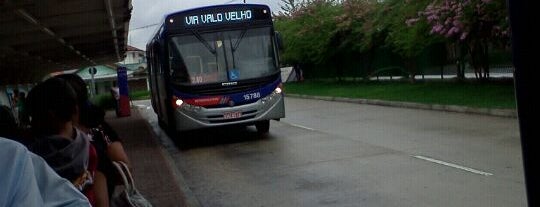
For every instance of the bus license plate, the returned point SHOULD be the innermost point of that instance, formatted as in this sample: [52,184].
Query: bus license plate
[232,115]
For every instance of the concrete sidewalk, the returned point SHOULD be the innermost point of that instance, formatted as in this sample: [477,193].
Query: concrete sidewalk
[152,173]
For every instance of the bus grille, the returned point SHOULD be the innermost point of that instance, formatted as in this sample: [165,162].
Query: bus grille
[228,89]
[218,89]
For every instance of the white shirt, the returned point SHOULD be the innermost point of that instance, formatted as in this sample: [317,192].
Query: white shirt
[27,180]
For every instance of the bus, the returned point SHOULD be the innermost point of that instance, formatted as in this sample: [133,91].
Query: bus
[216,66]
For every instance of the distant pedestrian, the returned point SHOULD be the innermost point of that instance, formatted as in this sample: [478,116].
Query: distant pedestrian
[115,93]
[14,100]
[21,110]
[298,72]
[15,97]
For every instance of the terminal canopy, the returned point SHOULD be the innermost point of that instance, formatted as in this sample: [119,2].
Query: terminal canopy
[38,37]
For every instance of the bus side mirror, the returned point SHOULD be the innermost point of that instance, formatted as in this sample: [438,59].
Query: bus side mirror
[279,41]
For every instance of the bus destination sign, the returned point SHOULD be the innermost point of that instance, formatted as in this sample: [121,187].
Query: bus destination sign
[216,18]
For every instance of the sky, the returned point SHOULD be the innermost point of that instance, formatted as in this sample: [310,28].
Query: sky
[147,12]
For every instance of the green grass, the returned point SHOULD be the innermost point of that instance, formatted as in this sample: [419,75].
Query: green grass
[105,101]
[140,95]
[498,94]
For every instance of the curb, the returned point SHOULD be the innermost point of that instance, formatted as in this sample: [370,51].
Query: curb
[508,113]
[167,149]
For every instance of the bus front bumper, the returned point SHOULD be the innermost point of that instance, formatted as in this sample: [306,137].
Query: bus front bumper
[267,108]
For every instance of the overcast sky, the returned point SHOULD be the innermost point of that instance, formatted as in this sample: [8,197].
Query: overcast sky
[147,12]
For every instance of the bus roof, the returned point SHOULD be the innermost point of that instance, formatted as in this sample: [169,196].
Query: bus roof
[179,23]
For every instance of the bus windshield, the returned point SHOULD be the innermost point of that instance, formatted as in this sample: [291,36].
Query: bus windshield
[223,56]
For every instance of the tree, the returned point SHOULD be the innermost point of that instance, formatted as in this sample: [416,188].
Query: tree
[406,37]
[471,25]
[288,7]
[349,35]
[307,33]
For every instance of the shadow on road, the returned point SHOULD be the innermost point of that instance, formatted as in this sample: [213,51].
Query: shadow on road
[216,136]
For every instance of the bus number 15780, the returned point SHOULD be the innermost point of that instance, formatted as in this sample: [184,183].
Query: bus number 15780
[250,96]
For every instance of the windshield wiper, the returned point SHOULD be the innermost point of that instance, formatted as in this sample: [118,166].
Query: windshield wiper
[205,43]
[236,44]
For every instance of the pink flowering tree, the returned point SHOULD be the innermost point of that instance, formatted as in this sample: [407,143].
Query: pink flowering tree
[471,26]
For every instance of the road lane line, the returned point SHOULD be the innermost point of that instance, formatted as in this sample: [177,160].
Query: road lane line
[453,165]
[300,126]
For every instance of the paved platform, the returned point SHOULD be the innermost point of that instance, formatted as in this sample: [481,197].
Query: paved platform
[152,173]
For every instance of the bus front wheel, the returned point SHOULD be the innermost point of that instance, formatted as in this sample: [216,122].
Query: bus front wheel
[263,126]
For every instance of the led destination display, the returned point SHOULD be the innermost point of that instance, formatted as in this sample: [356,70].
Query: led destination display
[220,16]
[232,16]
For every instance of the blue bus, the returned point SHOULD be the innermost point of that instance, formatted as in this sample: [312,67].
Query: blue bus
[216,66]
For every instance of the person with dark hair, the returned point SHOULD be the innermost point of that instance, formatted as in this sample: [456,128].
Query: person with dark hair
[92,121]
[8,125]
[52,106]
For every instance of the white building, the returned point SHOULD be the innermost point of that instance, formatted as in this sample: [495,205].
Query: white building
[134,56]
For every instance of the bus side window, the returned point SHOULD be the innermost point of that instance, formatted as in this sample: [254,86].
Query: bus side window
[156,57]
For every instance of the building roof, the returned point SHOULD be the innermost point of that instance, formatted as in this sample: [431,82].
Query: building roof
[131,48]
[134,66]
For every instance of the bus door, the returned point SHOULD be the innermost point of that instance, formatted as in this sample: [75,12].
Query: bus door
[152,78]
[160,85]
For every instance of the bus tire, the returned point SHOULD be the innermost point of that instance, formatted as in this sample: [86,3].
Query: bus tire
[162,124]
[263,126]
[171,129]
[168,128]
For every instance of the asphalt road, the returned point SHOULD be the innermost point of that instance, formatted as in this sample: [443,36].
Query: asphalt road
[341,154]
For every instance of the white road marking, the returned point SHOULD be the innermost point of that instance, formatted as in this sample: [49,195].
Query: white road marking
[453,165]
[300,126]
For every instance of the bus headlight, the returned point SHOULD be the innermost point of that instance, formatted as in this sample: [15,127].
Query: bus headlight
[179,102]
[176,102]
[277,90]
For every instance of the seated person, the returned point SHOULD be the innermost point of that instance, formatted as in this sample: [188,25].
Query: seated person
[9,128]
[92,121]
[52,106]
[27,180]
